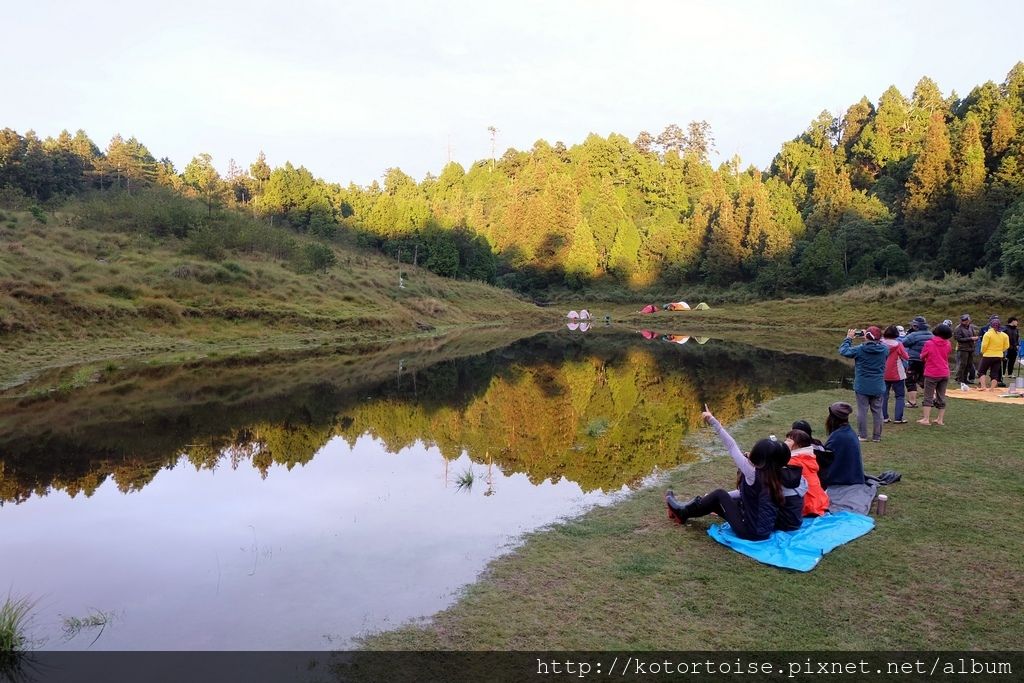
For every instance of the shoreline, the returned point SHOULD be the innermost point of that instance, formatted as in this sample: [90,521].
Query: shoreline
[623,576]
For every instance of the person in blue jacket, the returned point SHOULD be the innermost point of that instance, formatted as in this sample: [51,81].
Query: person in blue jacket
[914,342]
[868,378]
[846,467]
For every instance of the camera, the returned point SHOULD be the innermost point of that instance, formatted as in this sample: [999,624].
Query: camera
[858,333]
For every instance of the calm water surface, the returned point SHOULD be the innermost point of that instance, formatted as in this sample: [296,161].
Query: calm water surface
[297,504]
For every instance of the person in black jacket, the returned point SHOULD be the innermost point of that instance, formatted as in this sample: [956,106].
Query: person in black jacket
[1011,353]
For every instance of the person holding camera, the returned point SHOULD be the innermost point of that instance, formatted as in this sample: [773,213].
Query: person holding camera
[868,378]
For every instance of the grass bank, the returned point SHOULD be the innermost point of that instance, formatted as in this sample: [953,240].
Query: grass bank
[80,287]
[941,570]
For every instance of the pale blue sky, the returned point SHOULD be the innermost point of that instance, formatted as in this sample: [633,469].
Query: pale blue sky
[349,89]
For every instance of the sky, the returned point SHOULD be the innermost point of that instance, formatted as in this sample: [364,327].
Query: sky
[350,89]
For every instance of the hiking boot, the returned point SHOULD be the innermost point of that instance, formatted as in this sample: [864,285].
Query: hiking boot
[677,511]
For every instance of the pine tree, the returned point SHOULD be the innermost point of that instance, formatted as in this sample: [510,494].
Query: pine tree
[927,206]
[581,260]
[724,251]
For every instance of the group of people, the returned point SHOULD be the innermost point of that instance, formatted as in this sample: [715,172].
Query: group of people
[780,482]
[891,361]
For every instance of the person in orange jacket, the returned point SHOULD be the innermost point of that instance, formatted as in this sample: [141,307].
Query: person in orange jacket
[816,500]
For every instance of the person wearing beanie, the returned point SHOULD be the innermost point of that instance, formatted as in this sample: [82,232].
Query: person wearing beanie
[753,509]
[965,335]
[868,378]
[1013,334]
[914,342]
[935,356]
[847,467]
[994,344]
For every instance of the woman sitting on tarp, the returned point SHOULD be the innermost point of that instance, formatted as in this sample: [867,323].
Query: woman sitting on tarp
[804,456]
[847,466]
[753,512]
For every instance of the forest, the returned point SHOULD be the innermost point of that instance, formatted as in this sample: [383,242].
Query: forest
[905,186]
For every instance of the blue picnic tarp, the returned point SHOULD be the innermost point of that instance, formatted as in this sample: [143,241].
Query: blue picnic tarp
[801,549]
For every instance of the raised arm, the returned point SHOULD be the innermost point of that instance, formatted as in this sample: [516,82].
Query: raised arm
[742,463]
[846,348]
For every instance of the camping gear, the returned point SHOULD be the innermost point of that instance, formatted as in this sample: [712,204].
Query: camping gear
[677,306]
[801,549]
[702,306]
[572,315]
[883,501]
[852,497]
[584,314]
[649,308]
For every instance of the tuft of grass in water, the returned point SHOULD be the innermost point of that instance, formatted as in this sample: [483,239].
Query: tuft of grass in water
[465,480]
[627,570]
[96,619]
[15,616]
[597,427]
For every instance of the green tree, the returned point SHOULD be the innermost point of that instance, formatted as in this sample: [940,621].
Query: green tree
[202,177]
[927,207]
[581,261]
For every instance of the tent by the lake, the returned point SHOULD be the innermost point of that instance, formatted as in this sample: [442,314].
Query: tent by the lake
[677,306]
[702,306]
[649,308]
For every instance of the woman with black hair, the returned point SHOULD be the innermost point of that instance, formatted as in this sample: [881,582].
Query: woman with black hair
[847,466]
[753,509]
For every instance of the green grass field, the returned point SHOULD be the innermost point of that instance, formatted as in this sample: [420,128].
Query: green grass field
[940,571]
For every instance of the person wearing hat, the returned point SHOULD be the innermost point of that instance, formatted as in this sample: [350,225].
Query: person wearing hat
[753,509]
[847,467]
[964,335]
[868,378]
[994,344]
[914,342]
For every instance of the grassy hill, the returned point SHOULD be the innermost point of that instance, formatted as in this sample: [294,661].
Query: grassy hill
[110,277]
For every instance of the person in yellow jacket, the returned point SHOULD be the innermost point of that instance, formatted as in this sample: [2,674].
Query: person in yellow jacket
[993,345]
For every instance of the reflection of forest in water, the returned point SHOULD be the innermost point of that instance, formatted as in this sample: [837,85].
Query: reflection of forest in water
[602,410]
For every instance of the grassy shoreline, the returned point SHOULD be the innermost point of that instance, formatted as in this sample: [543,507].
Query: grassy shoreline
[625,577]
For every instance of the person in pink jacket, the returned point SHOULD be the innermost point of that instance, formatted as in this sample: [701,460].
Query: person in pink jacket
[895,374]
[935,356]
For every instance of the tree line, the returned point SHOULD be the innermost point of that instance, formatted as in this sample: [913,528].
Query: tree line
[909,185]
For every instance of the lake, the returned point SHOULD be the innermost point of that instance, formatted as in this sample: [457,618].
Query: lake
[297,502]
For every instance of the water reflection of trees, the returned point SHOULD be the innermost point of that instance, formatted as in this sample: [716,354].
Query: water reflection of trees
[602,411]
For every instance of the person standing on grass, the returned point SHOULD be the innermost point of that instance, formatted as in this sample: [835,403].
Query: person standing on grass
[847,467]
[994,344]
[753,509]
[965,335]
[935,355]
[868,378]
[1013,334]
[895,374]
[914,342]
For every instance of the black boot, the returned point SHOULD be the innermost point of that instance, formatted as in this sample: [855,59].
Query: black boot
[679,512]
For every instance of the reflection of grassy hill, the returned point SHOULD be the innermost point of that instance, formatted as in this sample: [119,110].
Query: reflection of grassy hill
[107,279]
[602,411]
